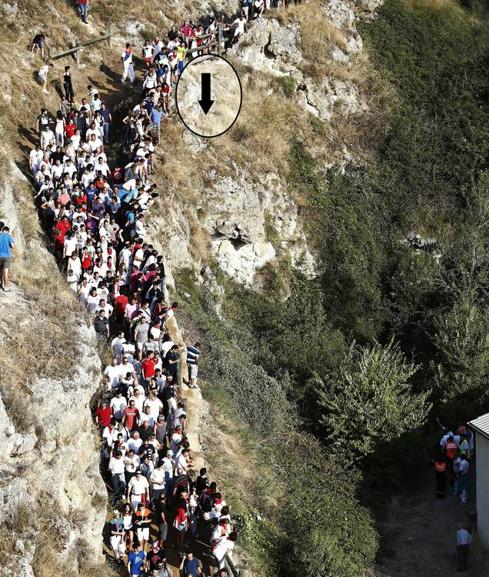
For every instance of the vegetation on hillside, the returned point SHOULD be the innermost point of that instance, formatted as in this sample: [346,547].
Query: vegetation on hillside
[392,335]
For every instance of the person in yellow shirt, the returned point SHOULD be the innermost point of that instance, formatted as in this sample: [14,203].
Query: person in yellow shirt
[181,54]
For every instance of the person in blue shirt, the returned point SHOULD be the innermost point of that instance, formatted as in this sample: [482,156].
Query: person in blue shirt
[6,248]
[136,560]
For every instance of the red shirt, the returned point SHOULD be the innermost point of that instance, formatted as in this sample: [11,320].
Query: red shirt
[181,516]
[148,368]
[120,304]
[130,414]
[104,416]
[70,130]
[86,262]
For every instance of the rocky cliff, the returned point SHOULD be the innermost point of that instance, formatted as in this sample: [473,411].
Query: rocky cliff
[225,204]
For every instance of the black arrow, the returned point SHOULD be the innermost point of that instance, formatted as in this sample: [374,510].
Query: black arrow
[205,96]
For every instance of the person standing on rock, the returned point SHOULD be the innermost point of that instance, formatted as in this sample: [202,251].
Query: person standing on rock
[193,355]
[6,248]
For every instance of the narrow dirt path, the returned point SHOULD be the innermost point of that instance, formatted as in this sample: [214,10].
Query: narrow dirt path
[418,533]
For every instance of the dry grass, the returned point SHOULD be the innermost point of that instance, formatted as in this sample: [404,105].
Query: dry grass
[318,37]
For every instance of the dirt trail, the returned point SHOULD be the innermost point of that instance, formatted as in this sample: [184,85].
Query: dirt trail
[418,534]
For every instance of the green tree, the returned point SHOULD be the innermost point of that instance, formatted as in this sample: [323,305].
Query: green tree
[369,400]
[461,366]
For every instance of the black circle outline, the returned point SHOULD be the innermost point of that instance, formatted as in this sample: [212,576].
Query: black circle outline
[240,97]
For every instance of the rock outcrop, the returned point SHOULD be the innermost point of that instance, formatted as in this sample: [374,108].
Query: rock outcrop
[51,490]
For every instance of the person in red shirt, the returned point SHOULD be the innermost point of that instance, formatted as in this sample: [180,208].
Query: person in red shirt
[148,367]
[103,415]
[120,303]
[60,230]
[181,525]
[86,260]
[131,416]
[70,129]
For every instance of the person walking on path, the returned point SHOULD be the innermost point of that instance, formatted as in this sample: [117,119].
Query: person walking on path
[6,248]
[464,540]
[127,61]
[42,76]
[441,476]
[83,8]
[68,85]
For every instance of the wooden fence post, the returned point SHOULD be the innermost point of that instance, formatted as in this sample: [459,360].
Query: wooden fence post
[78,55]
[219,39]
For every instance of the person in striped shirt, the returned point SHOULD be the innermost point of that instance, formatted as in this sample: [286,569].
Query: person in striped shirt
[193,354]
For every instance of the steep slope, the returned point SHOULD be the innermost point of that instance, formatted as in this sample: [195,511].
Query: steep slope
[234,190]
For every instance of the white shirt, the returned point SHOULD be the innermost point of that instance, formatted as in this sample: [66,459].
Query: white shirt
[116,466]
[138,486]
[155,406]
[158,476]
[134,444]
[118,404]
[113,374]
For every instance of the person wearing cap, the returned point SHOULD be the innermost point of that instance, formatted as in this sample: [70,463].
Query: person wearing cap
[138,489]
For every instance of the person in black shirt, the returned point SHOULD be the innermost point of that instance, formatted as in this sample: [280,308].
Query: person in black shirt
[202,482]
[161,517]
[171,362]
[67,84]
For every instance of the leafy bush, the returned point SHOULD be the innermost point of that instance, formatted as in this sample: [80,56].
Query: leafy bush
[369,400]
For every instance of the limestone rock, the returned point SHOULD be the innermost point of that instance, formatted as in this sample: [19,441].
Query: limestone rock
[340,13]
[242,263]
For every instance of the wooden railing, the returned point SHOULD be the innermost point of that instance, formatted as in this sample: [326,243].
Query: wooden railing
[77,50]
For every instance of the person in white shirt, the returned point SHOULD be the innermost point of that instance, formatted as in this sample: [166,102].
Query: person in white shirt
[168,467]
[35,159]
[119,429]
[116,468]
[136,488]
[127,62]
[73,272]
[154,404]
[113,372]
[225,546]
[118,404]
[157,481]
[42,76]
[131,463]
[135,441]
[138,397]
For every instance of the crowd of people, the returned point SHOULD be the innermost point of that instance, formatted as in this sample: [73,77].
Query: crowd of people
[96,216]
[452,464]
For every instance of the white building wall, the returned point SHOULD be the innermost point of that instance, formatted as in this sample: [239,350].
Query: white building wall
[482,476]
